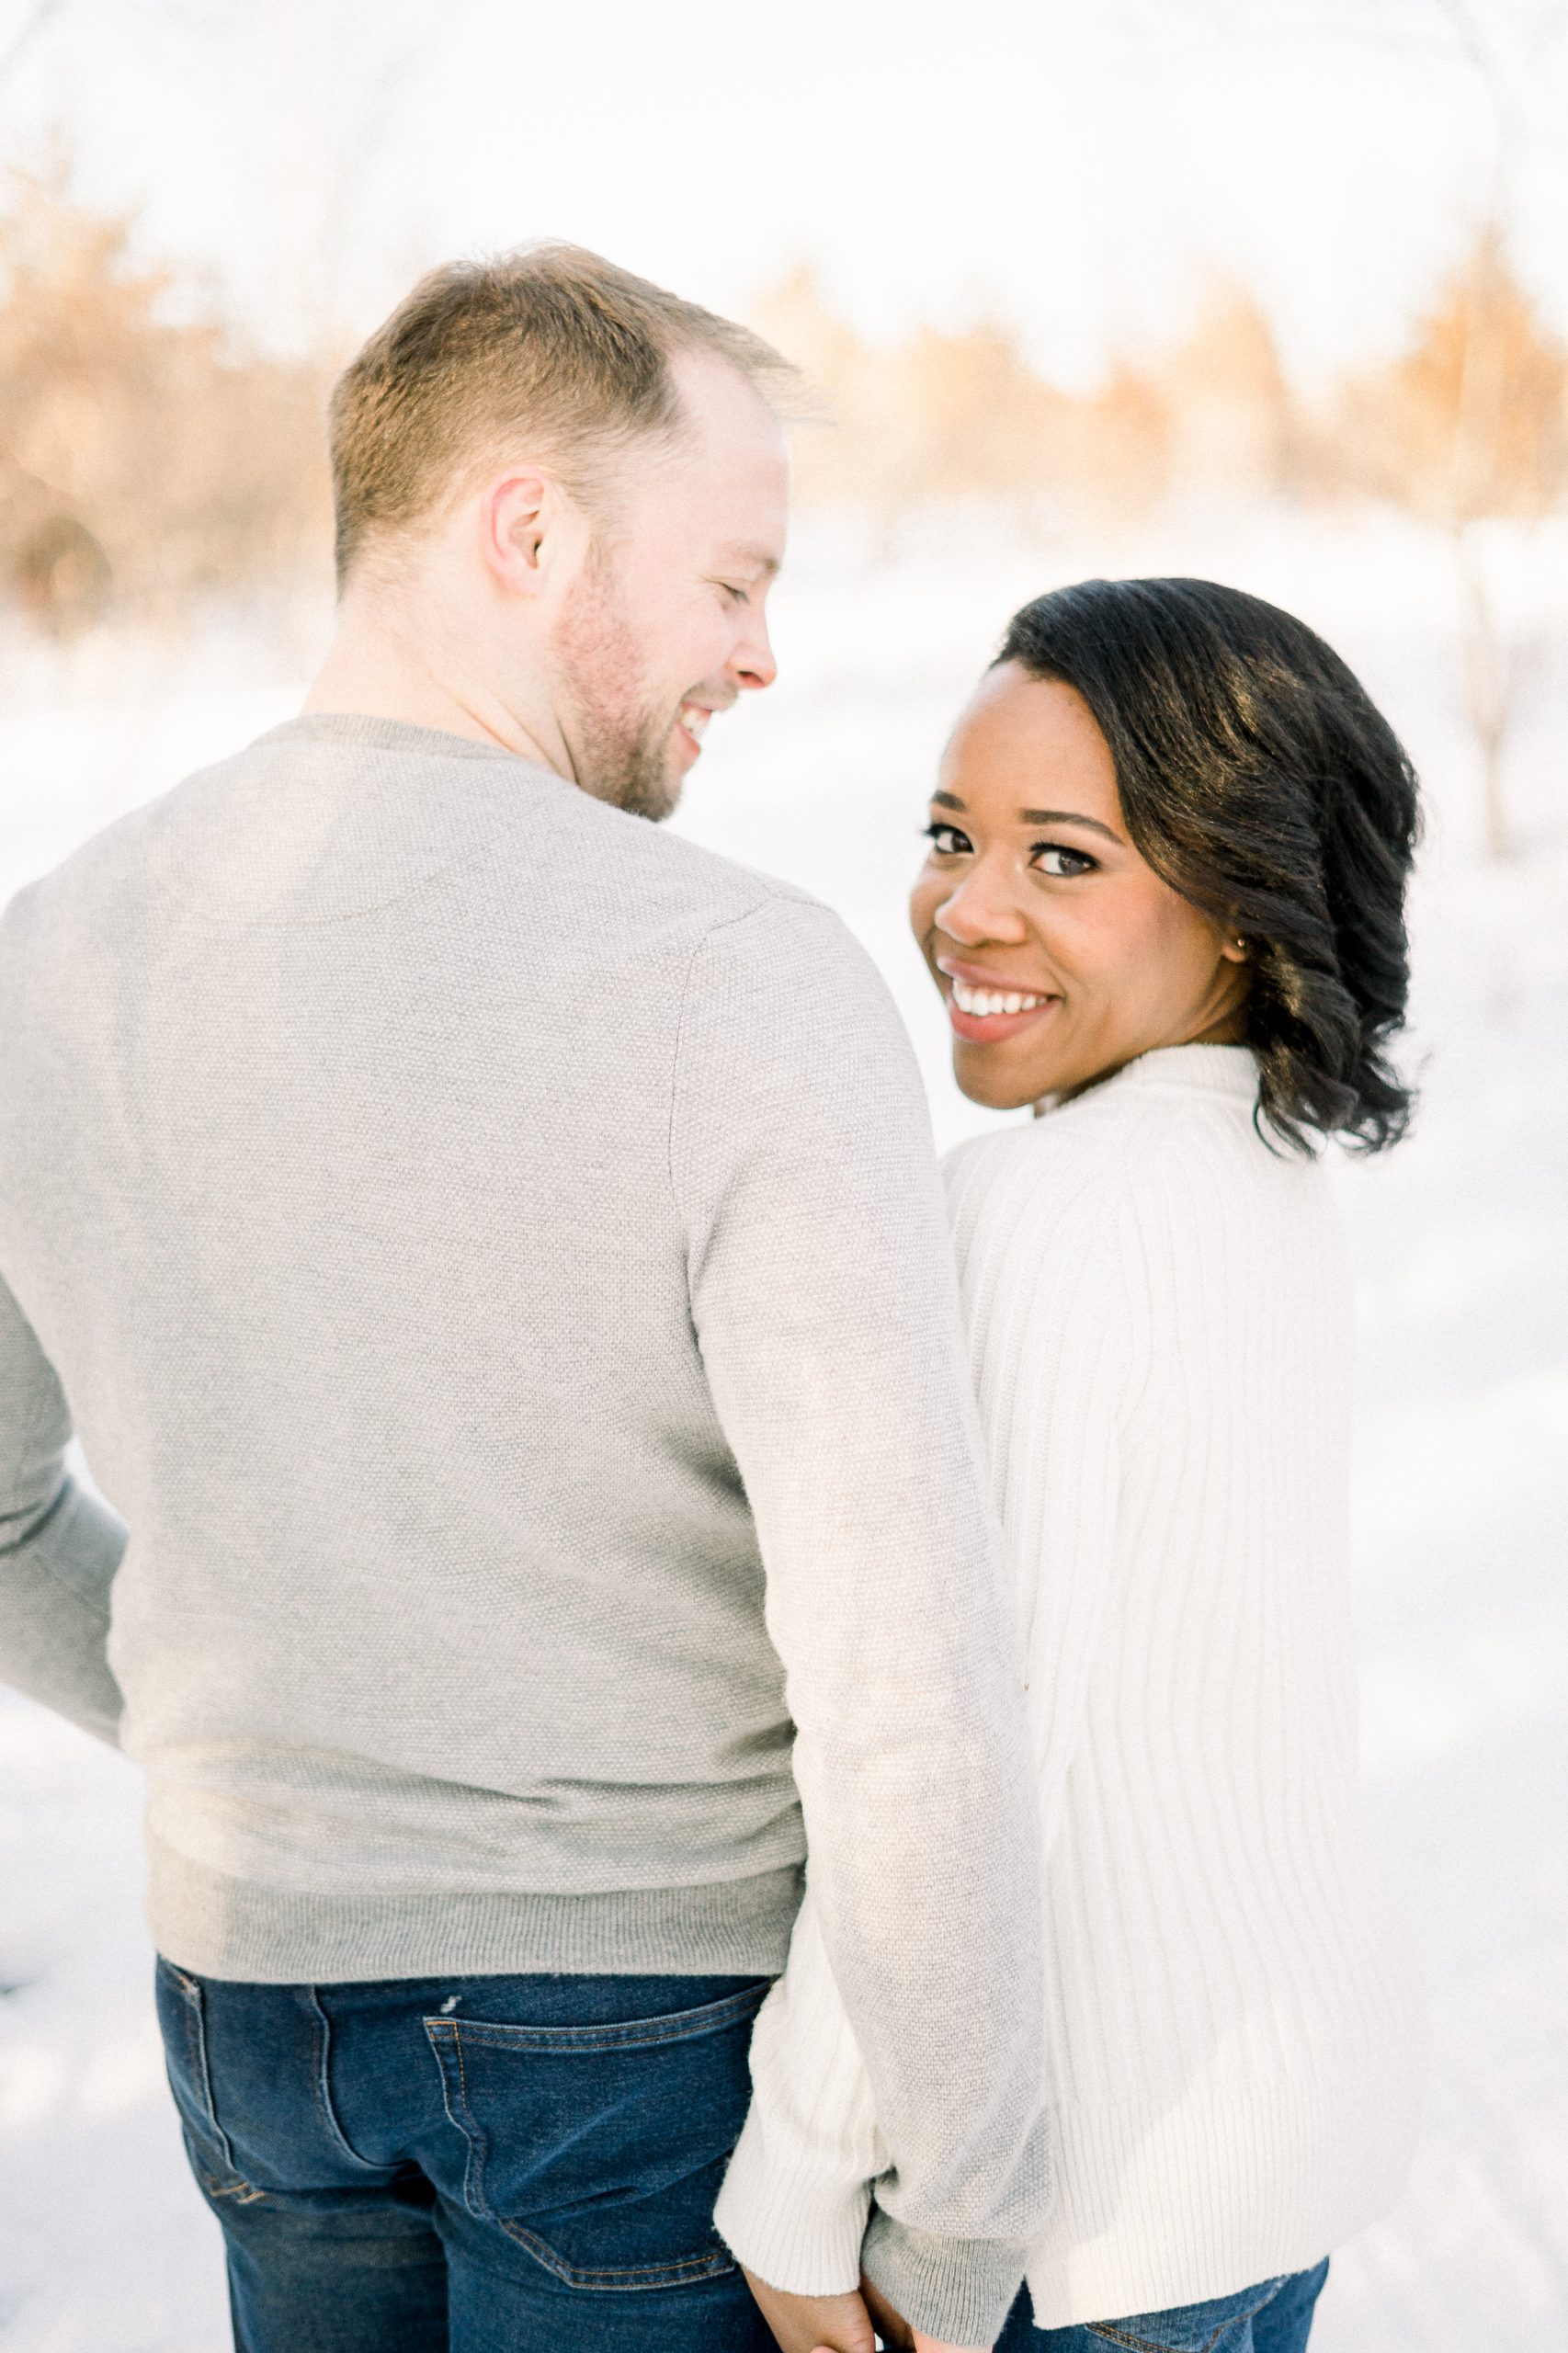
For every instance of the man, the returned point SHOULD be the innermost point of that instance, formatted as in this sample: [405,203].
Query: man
[490,1252]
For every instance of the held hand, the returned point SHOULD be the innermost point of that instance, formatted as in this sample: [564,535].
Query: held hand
[894,2330]
[813,2323]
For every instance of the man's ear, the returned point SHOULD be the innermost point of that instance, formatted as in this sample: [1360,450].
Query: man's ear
[519,513]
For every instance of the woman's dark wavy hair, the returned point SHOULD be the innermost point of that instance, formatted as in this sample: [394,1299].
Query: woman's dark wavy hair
[1259,780]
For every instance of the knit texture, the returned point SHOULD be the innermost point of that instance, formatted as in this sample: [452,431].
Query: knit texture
[1159,1317]
[491,1254]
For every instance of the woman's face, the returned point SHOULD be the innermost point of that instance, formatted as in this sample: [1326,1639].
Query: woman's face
[1060,953]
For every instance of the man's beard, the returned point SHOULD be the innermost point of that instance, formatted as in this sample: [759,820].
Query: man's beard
[620,750]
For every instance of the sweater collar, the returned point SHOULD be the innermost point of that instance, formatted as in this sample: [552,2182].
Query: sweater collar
[1199,1070]
[372,733]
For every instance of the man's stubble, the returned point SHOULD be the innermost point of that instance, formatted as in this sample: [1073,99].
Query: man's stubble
[621,747]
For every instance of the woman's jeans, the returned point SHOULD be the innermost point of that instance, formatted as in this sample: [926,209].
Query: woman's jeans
[1274,2317]
[470,2164]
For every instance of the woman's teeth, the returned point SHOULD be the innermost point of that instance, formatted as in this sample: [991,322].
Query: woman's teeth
[984,1000]
[694,719]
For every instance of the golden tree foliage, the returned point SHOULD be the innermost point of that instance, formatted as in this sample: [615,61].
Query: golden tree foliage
[145,461]
[1234,421]
[141,462]
[1469,426]
[1119,448]
[964,415]
[938,416]
[1470,423]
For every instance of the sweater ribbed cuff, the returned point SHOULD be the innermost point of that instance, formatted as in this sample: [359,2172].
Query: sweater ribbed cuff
[959,2291]
[787,2225]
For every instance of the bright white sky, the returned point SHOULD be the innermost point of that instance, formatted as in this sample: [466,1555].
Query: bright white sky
[1074,168]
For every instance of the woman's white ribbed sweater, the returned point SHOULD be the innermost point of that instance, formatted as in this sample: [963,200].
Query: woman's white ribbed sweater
[1159,1315]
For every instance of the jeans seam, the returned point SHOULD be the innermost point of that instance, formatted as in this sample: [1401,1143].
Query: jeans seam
[196,2056]
[440,2031]
[474,2161]
[1114,2335]
[321,2086]
[635,2034]
[685,2272]
[215,2185]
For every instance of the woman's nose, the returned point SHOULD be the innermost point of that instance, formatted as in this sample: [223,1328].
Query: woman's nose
[978,911]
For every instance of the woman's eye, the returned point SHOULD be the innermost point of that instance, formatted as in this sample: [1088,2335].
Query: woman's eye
[736,596]
[1055,858]
[946,840]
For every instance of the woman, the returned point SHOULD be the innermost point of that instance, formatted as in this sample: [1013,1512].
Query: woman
[1163,905]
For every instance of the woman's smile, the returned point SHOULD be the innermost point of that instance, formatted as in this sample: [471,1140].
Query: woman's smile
[989,1007]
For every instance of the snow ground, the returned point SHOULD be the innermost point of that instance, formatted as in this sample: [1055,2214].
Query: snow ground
[1462,1246]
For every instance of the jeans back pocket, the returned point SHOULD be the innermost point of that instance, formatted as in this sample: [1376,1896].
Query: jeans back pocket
[600,2149]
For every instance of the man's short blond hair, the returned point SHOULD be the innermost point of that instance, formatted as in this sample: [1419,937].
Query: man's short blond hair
[550,352]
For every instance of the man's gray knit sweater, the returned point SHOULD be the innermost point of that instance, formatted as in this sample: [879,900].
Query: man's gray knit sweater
[491,1252]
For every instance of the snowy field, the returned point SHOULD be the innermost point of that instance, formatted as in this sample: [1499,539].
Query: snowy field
[1462,1246]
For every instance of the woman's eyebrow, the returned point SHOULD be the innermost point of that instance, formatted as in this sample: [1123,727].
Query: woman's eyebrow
[1036,816]
[1067,817]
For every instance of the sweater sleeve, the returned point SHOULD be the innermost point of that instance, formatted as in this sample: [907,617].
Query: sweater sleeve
[822,1291]
[58,1546]
[796,2196]
[1055,1352]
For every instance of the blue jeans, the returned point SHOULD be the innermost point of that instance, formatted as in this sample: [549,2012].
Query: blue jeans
[1274,2317]
[470,2164]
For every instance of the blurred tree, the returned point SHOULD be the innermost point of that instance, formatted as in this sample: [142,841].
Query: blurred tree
[1235,426]
[939,415]
[326,82]
[1468,428]
[1483,392]
[968,417]
[1122,443]
[838,457]
[961,415]
[141,460]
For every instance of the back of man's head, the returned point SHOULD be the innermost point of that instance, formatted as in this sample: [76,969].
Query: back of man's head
[551,348]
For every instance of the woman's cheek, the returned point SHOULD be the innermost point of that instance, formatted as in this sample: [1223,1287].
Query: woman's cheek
[1148,948]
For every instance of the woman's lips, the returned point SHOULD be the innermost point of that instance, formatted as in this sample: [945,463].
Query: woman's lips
[987,1008]
[995,1029]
